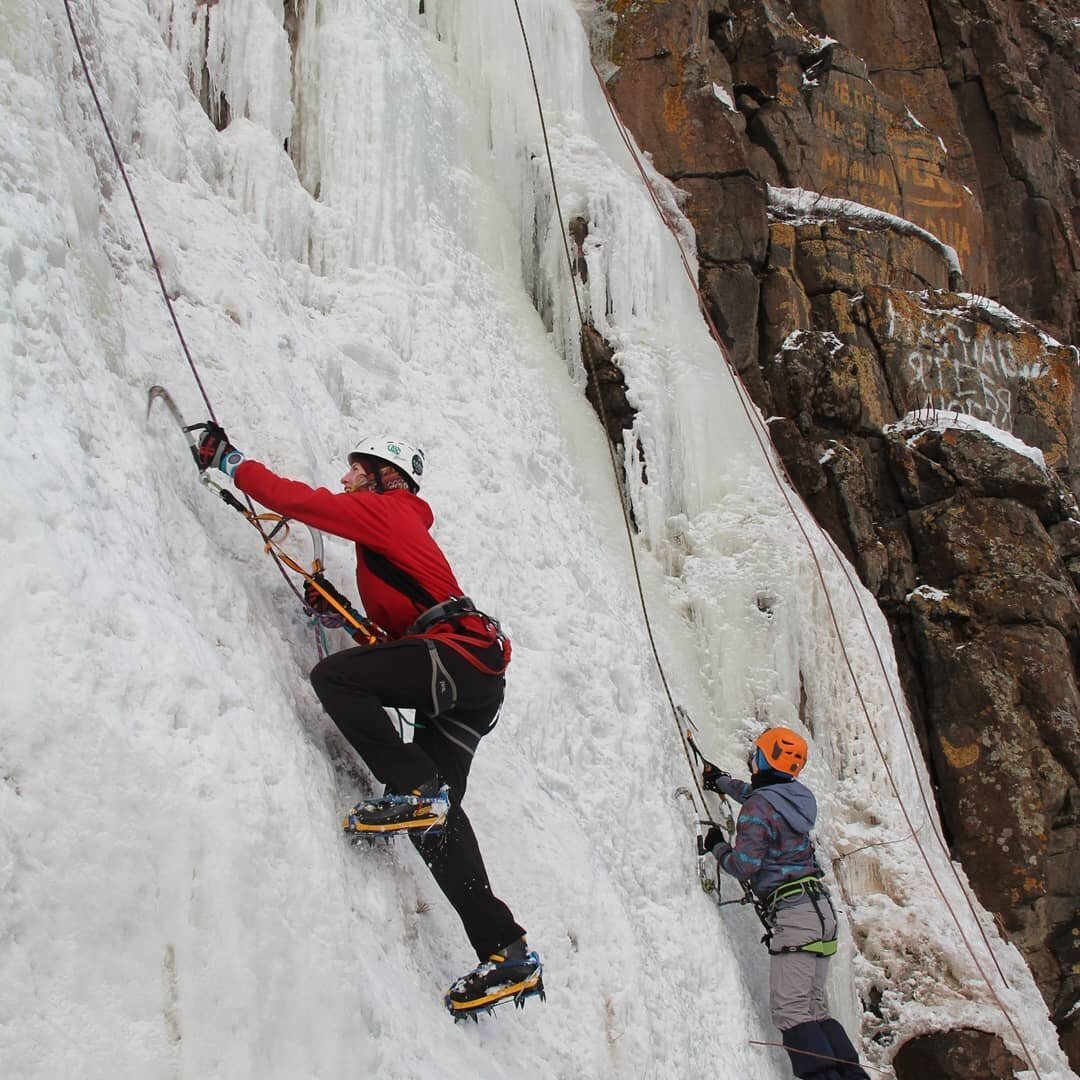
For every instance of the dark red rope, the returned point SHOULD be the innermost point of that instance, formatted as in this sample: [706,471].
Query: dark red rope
[154,260]
[135,207]
[822,1057]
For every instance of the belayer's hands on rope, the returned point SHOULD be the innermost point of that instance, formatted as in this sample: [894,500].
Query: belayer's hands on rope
[214,451]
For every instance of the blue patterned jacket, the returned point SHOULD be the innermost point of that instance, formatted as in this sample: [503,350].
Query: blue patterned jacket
[772,838]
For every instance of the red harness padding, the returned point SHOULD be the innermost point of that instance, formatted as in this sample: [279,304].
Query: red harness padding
[467,641]
[455,622]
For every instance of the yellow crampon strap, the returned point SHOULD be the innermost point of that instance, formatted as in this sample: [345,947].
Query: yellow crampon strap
[496,996]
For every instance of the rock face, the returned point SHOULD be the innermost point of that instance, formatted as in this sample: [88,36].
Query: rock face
[999,84]
[962,1055]
[960,117]
[969,545]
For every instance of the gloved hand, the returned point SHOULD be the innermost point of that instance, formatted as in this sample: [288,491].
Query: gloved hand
[214,451]
[715,836]
[318,603]
[710,774]
[366,633]
[314,600]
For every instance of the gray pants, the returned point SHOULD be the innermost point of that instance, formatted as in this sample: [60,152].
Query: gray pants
[797,979]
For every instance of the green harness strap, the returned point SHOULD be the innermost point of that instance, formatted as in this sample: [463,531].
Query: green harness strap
[810,884]
[822,948]
[812,887]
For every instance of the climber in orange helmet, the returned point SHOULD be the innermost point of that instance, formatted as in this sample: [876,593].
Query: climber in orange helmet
[773,853]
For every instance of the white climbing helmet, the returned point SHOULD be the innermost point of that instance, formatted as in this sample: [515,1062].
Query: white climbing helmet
[408,459]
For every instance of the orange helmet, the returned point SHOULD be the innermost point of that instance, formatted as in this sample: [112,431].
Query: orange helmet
[782,749]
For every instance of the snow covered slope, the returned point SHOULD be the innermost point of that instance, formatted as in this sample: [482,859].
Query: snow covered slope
[175,895]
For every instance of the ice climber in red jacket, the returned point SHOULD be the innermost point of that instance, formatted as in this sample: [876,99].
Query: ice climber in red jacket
[440,656]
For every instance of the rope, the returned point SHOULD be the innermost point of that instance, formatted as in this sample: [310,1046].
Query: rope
[551,167]
[930,817]
[590,367]
[157,267]
[823,1057]
[756,425]
[320,637]
[135,207]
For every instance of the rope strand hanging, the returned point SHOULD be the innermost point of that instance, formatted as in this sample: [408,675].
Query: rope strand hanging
[591,371]
[157,271]
[135,206]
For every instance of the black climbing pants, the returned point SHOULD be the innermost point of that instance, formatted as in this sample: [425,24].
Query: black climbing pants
[456,705]
[821,1050]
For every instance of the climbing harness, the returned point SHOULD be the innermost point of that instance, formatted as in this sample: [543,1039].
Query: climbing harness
[463,639]
[815,890]
[444,612]
[810,885]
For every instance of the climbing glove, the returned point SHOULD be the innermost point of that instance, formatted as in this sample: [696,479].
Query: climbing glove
[709,776]
[715,836]
[314,600]
[320,608]
[317,601]
[214,451]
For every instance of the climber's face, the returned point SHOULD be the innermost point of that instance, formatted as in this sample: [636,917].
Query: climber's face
[360,477]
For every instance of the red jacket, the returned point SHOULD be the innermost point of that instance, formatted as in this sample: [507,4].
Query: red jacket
[395,524]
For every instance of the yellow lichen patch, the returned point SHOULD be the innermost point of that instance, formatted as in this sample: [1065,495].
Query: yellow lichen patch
[675,112]
[959,757]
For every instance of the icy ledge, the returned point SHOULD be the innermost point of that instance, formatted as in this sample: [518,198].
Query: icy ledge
[815,207]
